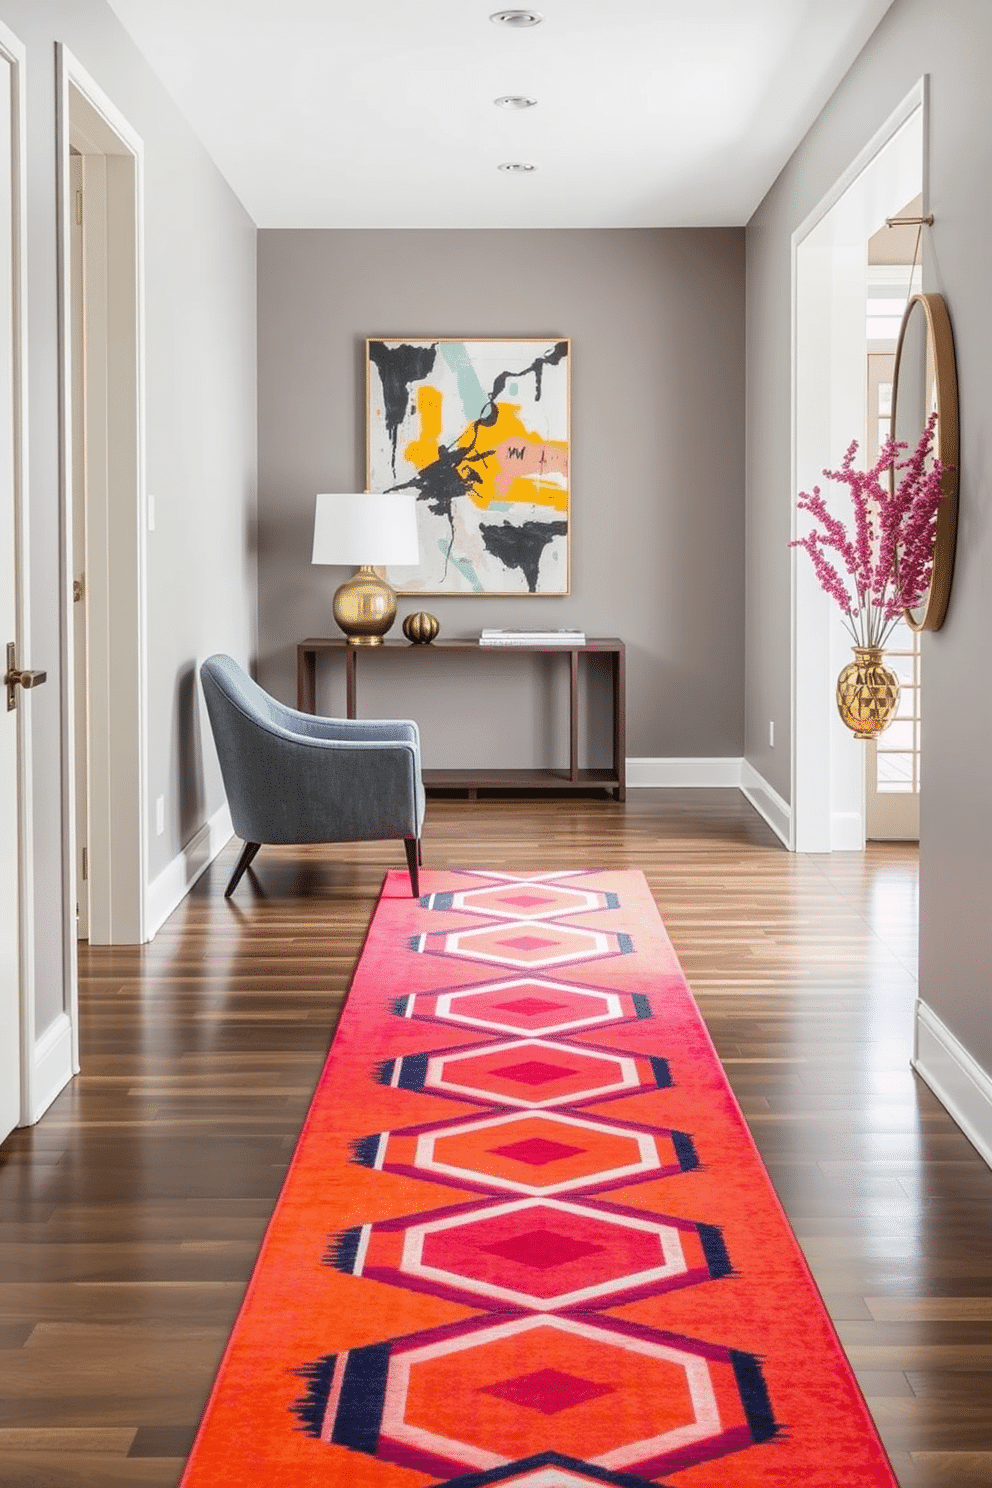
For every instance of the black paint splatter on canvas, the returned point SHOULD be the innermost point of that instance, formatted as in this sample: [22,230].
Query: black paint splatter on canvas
[522,546]
[398,367]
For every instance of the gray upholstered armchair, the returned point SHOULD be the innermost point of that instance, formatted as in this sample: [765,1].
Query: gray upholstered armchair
[291,777]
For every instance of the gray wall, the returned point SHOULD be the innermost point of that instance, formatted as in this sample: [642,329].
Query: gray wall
[656,320]
[951,42]
[200,401]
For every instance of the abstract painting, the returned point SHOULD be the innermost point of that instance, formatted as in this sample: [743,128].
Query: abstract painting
[479,429]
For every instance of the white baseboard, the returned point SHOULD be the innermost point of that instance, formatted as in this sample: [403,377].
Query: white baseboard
[955,1077]
[51,1068]
[673,773]
[767,802]
[717,771]
[172,885]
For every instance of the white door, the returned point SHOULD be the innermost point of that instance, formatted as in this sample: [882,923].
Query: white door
[10,905]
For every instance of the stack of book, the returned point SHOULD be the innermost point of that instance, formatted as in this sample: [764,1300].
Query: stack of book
[495,636]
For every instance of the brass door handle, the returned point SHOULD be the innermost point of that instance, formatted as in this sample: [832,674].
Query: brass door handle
[15,677]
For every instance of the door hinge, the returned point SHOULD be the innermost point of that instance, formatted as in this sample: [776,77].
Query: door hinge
[86,866]
[79,209]
[77,589]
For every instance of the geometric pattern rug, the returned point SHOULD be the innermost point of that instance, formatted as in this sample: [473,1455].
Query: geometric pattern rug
[526,1238]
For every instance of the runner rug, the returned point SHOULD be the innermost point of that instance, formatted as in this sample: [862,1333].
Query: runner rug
[526,1238]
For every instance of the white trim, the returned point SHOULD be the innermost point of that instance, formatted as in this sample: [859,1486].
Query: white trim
[130,877]
[172,885]
[15,52]
[824,788]
[955,1077]
[767,802]
[70,960]
[52,1067]
[715,771]
[847,831]
[916,98]
[720,771]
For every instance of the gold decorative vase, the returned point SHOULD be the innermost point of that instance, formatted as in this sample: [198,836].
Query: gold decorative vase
[867,693]
[420,628]
[365,607]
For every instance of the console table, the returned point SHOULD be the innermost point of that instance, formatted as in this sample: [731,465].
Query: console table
[432,656]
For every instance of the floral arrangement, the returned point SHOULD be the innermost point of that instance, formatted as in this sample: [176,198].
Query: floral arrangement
[889,556]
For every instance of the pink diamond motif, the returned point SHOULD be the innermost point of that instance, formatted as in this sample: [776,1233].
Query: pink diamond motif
[526,901]
[547,1390]
[536,1151]
[528,1007]
[527,942]
[534,1072]
[543,1249]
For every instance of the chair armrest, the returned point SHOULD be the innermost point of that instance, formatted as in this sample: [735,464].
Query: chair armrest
[358,731]
[316,726]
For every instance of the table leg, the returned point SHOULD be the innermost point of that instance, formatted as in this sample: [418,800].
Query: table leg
[306,680]
[620,723]
[351,673]
[573,715]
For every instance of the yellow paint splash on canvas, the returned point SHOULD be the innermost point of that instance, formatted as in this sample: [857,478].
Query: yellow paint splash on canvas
[520,466]
[423,450]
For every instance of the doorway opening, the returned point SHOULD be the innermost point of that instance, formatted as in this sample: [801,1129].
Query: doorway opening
[831,283]
[893,761]
[103,518]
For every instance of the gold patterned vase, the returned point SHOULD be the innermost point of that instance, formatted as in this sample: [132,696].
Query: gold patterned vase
[867,693]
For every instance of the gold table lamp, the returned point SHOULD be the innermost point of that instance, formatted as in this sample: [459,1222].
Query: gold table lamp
[366,528]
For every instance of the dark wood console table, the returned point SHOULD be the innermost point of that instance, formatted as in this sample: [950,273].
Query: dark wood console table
[612,779]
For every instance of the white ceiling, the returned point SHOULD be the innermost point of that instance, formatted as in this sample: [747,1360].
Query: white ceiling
[379,113]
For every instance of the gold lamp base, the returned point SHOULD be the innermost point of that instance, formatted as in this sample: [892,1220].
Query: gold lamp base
[365,607]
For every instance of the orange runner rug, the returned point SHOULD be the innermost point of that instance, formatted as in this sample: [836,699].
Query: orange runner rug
[526,1238]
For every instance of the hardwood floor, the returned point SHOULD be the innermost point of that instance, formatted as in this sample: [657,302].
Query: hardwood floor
[131,1215]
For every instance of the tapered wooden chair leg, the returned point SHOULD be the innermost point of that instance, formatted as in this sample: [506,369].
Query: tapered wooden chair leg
[412,845]
[248,852]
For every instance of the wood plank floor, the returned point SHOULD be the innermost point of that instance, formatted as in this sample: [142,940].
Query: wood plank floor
[131,1215]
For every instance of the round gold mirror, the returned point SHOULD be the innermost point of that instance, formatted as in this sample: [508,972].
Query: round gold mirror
[924,382]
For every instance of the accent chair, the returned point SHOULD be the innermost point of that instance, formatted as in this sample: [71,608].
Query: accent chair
[294,777]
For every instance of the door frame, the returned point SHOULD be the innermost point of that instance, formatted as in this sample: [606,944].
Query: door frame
[32,1051]
[827,768]
[116,529]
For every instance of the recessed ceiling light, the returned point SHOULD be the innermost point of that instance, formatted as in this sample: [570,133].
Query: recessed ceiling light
[514,101]
[516,167]
[516,18]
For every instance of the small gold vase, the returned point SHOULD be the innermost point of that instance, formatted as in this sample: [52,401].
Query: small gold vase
[421,627]
[867,693]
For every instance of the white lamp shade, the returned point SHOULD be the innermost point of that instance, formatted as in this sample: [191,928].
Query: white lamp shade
[360,527]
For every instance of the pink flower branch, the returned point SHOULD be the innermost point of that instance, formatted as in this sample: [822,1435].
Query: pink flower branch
[888,556]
